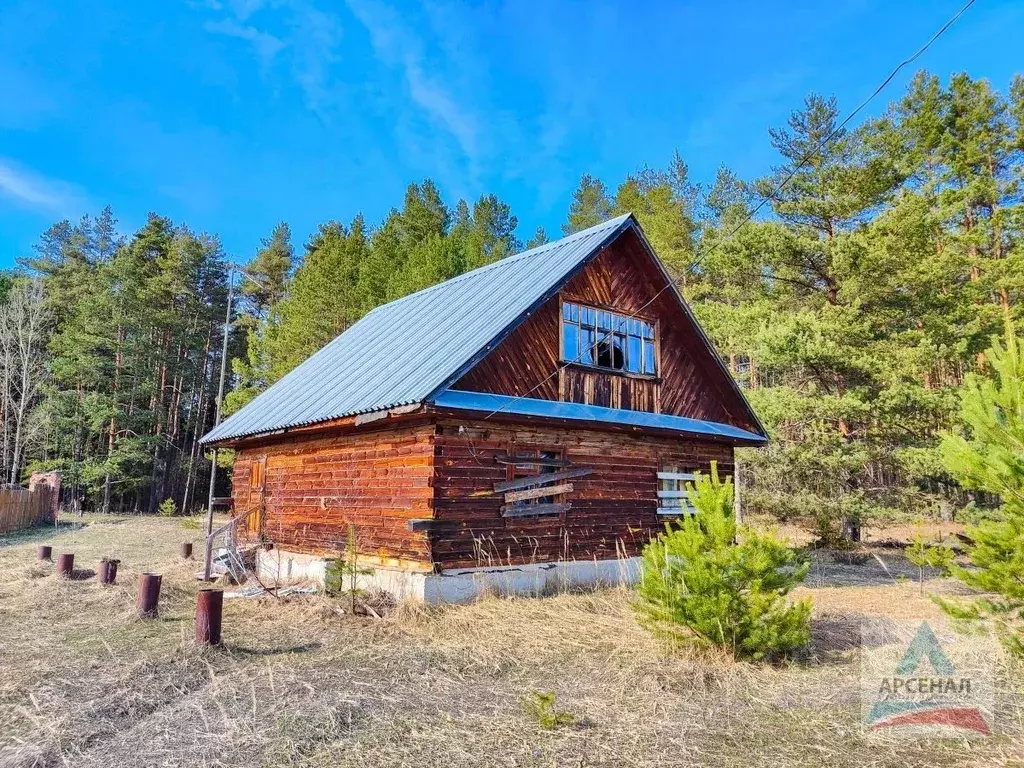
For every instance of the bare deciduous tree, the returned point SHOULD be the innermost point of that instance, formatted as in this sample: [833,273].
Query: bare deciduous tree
[22,367]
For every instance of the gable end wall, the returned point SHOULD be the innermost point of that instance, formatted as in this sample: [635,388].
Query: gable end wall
[622,278]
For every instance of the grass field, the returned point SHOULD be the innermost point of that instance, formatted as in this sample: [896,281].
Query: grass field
[83,682]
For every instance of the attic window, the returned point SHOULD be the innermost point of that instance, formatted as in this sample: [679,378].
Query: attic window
[607,339]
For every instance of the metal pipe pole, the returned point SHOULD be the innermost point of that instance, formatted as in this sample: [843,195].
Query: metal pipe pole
[220,399]
[66,565]
[149,595]
[209,612]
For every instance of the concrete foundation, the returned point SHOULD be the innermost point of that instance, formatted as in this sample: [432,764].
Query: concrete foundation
[458,585]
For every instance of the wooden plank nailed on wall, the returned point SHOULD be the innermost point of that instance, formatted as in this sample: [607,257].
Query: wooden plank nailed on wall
[677,476]
[549,477]
[537,493]
[532,461]
[688,510]
[525,510]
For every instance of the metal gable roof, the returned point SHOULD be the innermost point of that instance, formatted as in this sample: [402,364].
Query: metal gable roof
[403,352]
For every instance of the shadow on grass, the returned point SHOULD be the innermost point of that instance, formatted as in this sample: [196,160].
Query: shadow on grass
[257,652]
[835,636]
[38,534]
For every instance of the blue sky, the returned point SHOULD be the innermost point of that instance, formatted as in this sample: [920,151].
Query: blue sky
[231,115]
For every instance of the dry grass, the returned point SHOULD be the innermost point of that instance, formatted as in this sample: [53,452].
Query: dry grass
[85,683]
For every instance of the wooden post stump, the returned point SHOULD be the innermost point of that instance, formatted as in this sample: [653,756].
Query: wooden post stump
[45,552]
[186,550]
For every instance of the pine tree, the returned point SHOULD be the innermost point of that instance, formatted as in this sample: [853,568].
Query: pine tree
[540,237]
[663,202]
[709,582]
[590,205]
[323,300]
[424,213]
[990,458]
[489,234]
[272,267]
[433,261]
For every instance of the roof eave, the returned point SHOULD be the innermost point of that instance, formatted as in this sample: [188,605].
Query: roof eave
[597,425]
[354,420]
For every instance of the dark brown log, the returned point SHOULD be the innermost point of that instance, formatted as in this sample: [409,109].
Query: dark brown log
[209,609]
[528,510]
[149,595]
[186,550]
[503,458]
[45,552]
[65,565]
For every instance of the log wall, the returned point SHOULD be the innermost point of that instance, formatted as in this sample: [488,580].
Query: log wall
[579,384]
[316,485]
[613,511]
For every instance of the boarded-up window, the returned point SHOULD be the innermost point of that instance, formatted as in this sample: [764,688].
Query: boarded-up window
[531,470]
[541,496]
[673,498]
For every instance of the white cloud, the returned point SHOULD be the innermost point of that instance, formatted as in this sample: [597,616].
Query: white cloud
[316,35]
[437,102]
[266,45]
[36,192]
[243,9]
[432,83]
[311,37]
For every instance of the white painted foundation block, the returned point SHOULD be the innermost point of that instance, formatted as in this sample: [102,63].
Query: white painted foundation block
[459,585]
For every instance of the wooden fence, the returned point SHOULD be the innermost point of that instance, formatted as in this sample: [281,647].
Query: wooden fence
[20,508]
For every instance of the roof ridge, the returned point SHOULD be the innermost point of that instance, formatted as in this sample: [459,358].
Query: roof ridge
[385,360]
[516,257]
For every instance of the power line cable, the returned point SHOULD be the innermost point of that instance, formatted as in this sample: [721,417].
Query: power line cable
[764,201]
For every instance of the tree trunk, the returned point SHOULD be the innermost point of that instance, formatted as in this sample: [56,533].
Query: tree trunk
[112,430]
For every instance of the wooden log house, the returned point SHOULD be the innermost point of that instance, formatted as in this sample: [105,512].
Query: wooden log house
[532,420]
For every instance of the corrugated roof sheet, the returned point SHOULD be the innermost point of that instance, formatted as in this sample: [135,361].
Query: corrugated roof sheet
[401,353]
[526,406]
